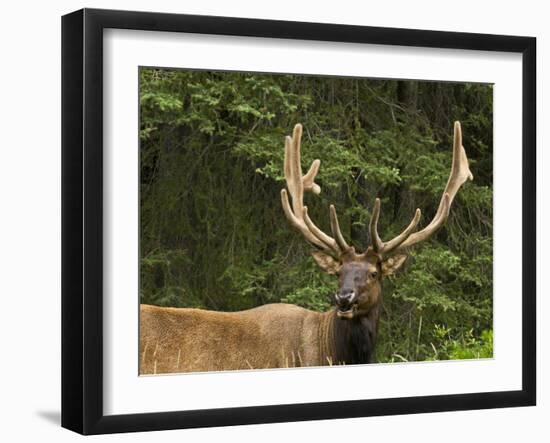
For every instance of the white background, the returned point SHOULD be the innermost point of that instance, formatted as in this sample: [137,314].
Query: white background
[30,223]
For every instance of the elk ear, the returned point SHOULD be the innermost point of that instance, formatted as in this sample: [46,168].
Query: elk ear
[392,264]
[326,262]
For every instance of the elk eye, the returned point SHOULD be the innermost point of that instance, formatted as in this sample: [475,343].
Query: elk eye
[374,274]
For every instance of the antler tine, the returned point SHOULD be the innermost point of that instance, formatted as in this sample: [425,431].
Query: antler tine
[460,172]
[377,243]
[385,248]
[297,184]
[297,222]
[335,228]
[397,241]
[326,239]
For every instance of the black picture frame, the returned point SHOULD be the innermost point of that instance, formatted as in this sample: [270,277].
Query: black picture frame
[82,220]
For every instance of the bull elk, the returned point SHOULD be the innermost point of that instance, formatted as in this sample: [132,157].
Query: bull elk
[284,335]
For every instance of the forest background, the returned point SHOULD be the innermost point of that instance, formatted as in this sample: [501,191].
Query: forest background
[212,231]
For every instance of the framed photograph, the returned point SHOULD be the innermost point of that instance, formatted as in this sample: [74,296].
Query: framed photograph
[269,221]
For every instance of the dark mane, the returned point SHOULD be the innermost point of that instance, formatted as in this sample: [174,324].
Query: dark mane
[354,340]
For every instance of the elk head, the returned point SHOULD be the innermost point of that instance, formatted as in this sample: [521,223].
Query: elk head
[360,274]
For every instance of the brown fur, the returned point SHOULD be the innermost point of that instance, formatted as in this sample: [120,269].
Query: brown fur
[270,336]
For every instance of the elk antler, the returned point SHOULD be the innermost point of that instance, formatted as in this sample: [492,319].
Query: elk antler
[297,184]
[460,172]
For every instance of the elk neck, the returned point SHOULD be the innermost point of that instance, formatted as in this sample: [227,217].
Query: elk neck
[349,341]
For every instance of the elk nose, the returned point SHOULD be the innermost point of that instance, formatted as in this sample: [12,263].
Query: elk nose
[345,297]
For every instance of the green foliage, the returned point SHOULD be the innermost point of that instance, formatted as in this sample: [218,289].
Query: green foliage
[213,234]
[464,346]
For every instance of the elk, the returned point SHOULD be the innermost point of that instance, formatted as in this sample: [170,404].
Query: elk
[284,335]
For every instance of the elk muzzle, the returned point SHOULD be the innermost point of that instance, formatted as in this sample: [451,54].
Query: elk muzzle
[346,302]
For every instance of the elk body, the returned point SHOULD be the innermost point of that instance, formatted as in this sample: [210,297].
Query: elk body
[283,335]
